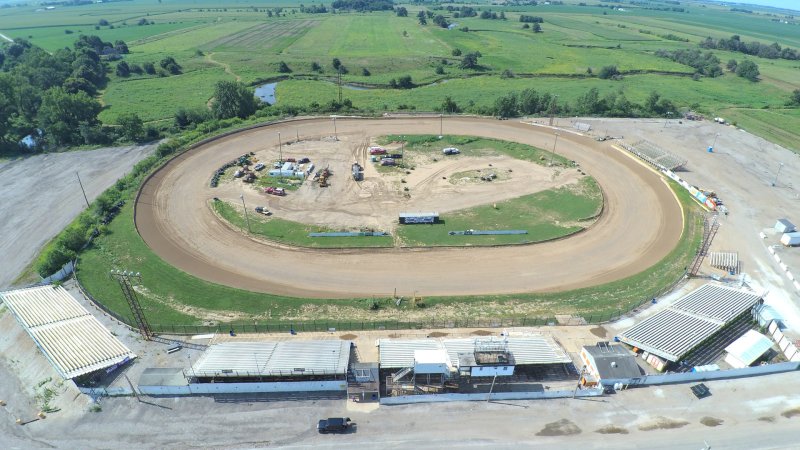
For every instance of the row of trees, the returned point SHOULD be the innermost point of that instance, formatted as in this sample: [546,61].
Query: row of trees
[613,104]
[168,67]
[363,5]
[704,63]
[735,44]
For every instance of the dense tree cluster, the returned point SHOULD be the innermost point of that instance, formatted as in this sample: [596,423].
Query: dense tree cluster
[607,72]
[470,60]
[464,11]
[491,15]
[614,104]
[233,99]
[530,19]
[363,5]
[704,63]
[401,12]
[53,92]
[313,9]
[748,69]
[735,44]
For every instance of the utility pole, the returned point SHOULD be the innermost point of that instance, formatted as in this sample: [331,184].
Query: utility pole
[715,141]
[441,125]
[84,192]
[553,154]
[124,280]
[280,159]
[246,217]
[335,134]
[780,166]
[489,397]
[339,82]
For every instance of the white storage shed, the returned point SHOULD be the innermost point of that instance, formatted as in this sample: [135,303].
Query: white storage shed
[784,226]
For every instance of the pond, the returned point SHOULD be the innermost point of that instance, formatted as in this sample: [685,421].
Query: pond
[266,92]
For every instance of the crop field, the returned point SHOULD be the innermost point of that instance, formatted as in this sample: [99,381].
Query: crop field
[270,36]
[247,44]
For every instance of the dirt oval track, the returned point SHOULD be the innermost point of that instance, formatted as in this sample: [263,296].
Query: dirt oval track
[641,224]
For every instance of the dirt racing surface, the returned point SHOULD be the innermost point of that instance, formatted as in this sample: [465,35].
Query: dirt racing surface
[641,223]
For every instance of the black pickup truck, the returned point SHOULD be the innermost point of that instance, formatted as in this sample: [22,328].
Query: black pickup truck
[333,425]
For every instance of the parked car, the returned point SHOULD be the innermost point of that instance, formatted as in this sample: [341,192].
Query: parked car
[275,190]
[263,210]
[377,151]
[303,161]
[259,166]
[292,160]
[333,425]
[451,151]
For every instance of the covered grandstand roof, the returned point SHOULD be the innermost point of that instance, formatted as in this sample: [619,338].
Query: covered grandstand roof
[675,331]
[399,353]
[73,340]
[270,358]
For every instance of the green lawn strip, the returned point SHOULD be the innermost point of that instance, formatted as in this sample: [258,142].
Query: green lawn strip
[546,215]
[294,233]
[168,289]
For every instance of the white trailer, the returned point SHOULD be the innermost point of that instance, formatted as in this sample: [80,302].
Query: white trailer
[790,239]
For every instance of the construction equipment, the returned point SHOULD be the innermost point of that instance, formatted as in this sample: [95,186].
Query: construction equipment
[323,177]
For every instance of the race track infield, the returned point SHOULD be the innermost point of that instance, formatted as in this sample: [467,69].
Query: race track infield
[641,223]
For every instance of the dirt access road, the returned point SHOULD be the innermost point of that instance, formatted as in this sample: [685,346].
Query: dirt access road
[40,195]
[641,223]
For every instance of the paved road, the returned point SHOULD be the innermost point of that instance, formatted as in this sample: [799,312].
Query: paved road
[40,195]
[641,224]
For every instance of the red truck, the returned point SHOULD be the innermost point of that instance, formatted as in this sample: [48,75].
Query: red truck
[377,151]
[275,191]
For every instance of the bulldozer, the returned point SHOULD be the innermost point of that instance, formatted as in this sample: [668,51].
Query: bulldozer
[323,177]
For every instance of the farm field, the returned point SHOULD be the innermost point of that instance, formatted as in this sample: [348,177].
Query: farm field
[246,44]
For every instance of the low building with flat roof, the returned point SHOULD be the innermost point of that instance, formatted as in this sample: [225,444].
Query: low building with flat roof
[604,361]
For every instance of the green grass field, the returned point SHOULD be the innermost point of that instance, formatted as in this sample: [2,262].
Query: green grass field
[293,233]
[546,215]
[242,42]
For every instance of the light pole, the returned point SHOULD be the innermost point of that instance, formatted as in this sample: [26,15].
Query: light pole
[715,142]
[246,217]
[669,114]
[552,155]
[335,134]
[780,166]
[82,190]
[441,125]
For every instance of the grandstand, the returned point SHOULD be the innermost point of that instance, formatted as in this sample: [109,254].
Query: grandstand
[656,155]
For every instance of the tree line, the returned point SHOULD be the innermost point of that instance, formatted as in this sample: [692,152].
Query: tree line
[735,44]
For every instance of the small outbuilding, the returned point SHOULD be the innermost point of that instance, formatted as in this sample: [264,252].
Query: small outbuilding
[607,362]
[784,226]
[791,239]
[748,349]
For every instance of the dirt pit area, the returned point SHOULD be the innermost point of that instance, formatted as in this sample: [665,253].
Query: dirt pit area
[425,183]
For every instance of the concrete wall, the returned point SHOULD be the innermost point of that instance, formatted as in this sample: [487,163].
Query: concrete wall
[245,388]
[690,377]
[432,398]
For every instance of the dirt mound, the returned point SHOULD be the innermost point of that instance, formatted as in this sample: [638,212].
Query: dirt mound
[481,333]
[663,423]
[611,429]
[437,334]
[711,421]
[561,427]
[348,337]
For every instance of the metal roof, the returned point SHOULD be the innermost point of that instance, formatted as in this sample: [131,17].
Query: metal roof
[717,302]
[281,358]
[675,331]
[419,214]
[399,353]
[613,361]
[72,339]
[749,347]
